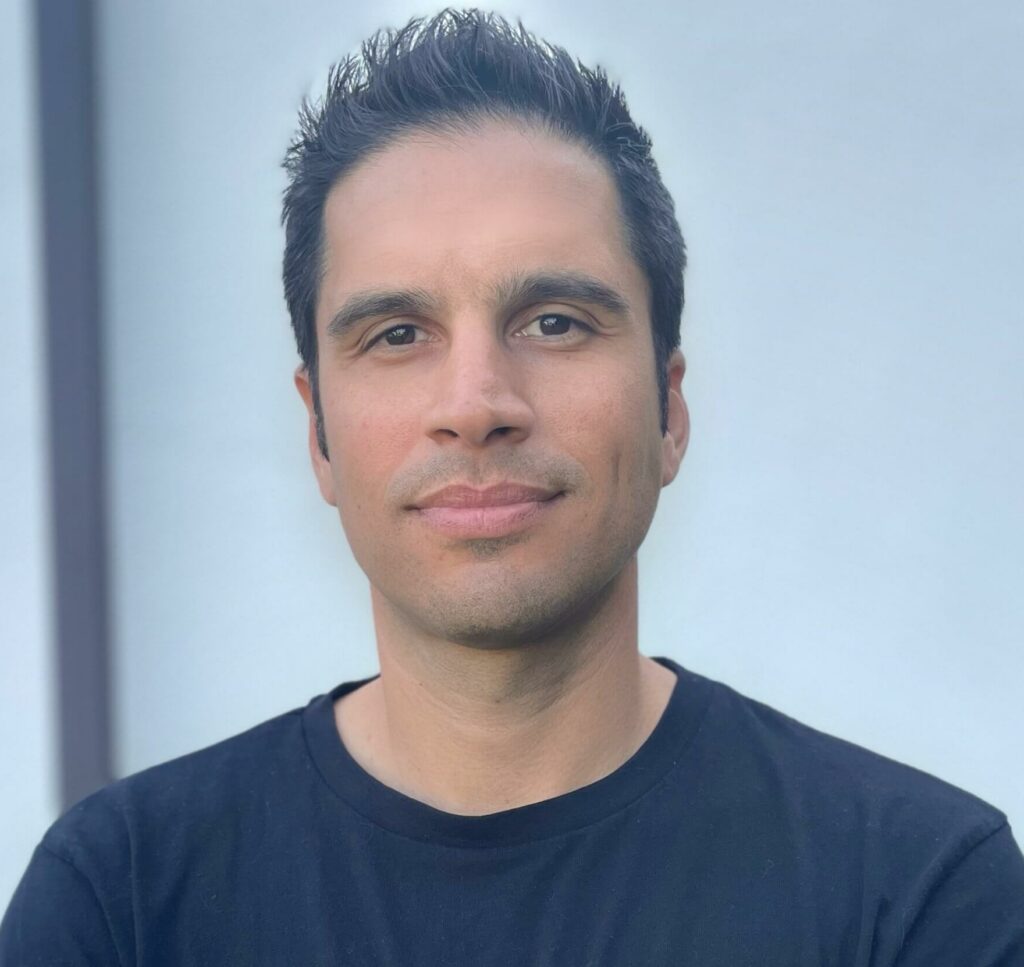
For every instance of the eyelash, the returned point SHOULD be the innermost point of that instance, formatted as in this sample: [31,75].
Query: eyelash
[577,323]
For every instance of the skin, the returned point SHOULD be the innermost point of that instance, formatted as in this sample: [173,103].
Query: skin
[510,669]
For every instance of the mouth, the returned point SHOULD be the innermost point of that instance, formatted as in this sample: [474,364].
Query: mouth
[499,511]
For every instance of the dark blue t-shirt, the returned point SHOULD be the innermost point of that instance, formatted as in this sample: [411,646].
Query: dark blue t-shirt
[734,836]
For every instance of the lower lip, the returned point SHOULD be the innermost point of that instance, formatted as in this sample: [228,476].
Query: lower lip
[497,521]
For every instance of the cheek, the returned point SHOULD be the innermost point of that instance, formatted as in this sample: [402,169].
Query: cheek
[613,412]
[368,439]
[610,425]
[629,422]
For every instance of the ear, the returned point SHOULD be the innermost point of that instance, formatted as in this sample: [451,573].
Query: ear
[677,433]
[321,465]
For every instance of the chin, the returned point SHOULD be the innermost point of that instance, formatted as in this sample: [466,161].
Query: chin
[509,617]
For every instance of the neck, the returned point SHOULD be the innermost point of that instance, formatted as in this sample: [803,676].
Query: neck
[473,730]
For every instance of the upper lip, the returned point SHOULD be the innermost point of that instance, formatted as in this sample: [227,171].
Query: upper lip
[497,495]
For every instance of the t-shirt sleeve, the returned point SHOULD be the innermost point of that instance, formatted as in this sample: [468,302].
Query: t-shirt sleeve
[974,912]
[55,918]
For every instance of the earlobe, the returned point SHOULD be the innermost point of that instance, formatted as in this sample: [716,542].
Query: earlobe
[321,465]
[677,432]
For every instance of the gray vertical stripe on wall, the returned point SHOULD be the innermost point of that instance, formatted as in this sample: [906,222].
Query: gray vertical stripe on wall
[64,63]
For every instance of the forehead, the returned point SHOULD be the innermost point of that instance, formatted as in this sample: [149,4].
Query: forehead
[453,213]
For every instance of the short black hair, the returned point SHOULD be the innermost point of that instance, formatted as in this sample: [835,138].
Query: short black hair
[447,73]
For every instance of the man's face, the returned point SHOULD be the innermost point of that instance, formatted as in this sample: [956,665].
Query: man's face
[487,383]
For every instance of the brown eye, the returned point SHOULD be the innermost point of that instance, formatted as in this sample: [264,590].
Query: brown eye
[400,336]
[552,324]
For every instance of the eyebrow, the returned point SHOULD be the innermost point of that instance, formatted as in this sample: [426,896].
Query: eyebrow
[533,287]
[367,305]
[514,293]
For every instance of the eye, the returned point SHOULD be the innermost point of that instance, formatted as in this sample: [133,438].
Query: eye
[404,335]
[552,324]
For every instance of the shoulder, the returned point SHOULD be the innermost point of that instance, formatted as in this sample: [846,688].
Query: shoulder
[153,841]
[843,788]
[172,800]
[934,869]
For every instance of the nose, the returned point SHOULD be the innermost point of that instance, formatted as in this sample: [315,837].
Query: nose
[478,398]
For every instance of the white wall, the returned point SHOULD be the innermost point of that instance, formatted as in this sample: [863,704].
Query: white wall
[27,714]
[845,539]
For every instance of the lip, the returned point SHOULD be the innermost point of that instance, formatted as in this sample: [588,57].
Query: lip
[503,494]
[497,511]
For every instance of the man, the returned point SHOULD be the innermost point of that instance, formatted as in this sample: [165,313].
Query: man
[484,274]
